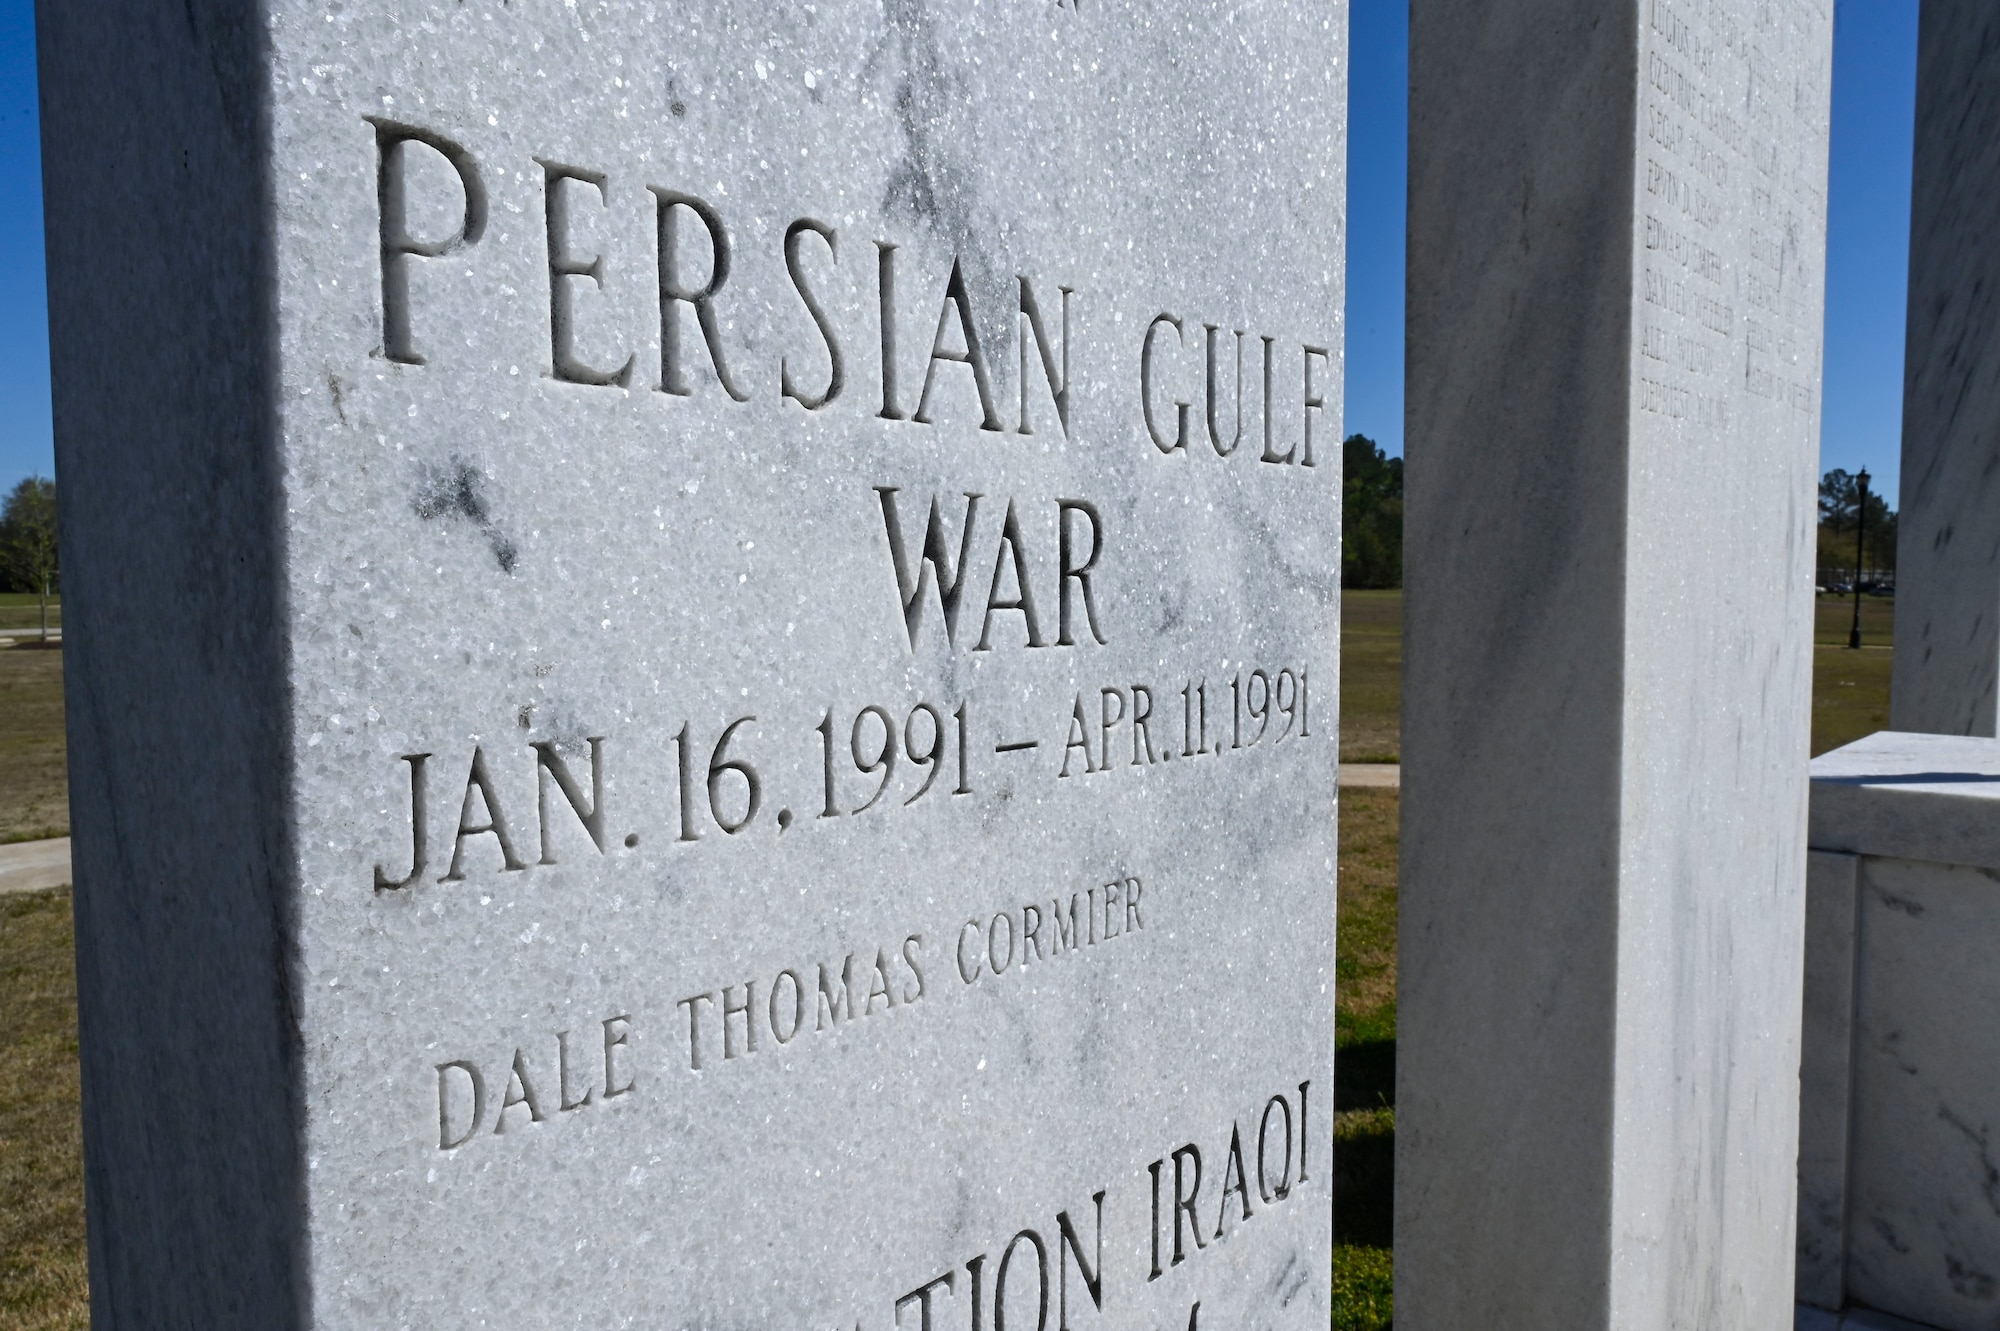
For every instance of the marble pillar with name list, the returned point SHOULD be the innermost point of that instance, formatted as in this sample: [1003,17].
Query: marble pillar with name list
[1616,252]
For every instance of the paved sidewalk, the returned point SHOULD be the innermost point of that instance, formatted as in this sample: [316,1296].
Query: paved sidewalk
[30,866]
[1371,776]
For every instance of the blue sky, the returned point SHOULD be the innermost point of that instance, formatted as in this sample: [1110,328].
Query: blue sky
[1868,227]
[26,444]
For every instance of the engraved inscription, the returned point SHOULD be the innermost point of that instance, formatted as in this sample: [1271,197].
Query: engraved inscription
[694,258]
[817,996]
[1166,369]
[553,1078]
[991,945]
[1715,118]
[1079,544]
[394,144]
[1275,1137]
[870,760]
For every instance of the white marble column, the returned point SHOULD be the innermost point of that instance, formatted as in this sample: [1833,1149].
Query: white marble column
[1616,259]
[1948,540]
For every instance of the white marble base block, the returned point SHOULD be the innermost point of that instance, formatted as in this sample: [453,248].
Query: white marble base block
[1948,538]
[1616,244]
[1899,1162]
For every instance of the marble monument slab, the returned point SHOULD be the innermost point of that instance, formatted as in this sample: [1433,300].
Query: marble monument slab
[1616,259]
[704,653]
[1948,537]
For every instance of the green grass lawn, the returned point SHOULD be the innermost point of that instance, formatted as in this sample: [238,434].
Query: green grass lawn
[42,1272]
[41,1201]
[34,779]
[1850,688]
[20,610]
[1371,676]
[1364,1078]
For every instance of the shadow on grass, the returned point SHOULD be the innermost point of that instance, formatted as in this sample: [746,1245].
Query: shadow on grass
[1364,1186]
[1364,1159]
[1364,1075]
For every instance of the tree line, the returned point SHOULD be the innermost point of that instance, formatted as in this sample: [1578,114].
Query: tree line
[1371,537]
[1371,515]
[28,557]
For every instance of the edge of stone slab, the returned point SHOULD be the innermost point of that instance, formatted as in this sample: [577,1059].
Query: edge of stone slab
[1908,796]
[1855,1319]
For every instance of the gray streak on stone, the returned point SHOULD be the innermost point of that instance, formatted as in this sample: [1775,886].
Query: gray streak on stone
[1948,538]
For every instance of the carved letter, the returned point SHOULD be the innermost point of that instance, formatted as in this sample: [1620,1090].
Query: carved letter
[885,287]
[798,1006]
[956,299]
[1233,1166]
[878,987]
[993,957]
[970,927]
[1079,738]
[976,1268]
[447,1141]
[614,1039]
[549,763]
[672,378]
[562,267]
[419,829]
[937,555]
[786,388]
[731,1008]
[1065,924]
[520,1091]
[1265,1189]
[1270,456]
[496,822]
[1070,570]
[562,1076]
[1142,712]
[1154,1170]
[1024,600]
[1058,387]
[921,1296]
[1214,428]
[1184,1199]
[398,246]
[693,1005]
[1093,1279]
[831,1002]
[910,946]
[1041,1280]
[1314,401]
[1305,1133]
[1146,390]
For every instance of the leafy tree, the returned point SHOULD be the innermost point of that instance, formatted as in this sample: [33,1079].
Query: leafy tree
[1839,493]
[1371,536]
[28,541]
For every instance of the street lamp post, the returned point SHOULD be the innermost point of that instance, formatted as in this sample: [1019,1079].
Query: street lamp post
[1860,528]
